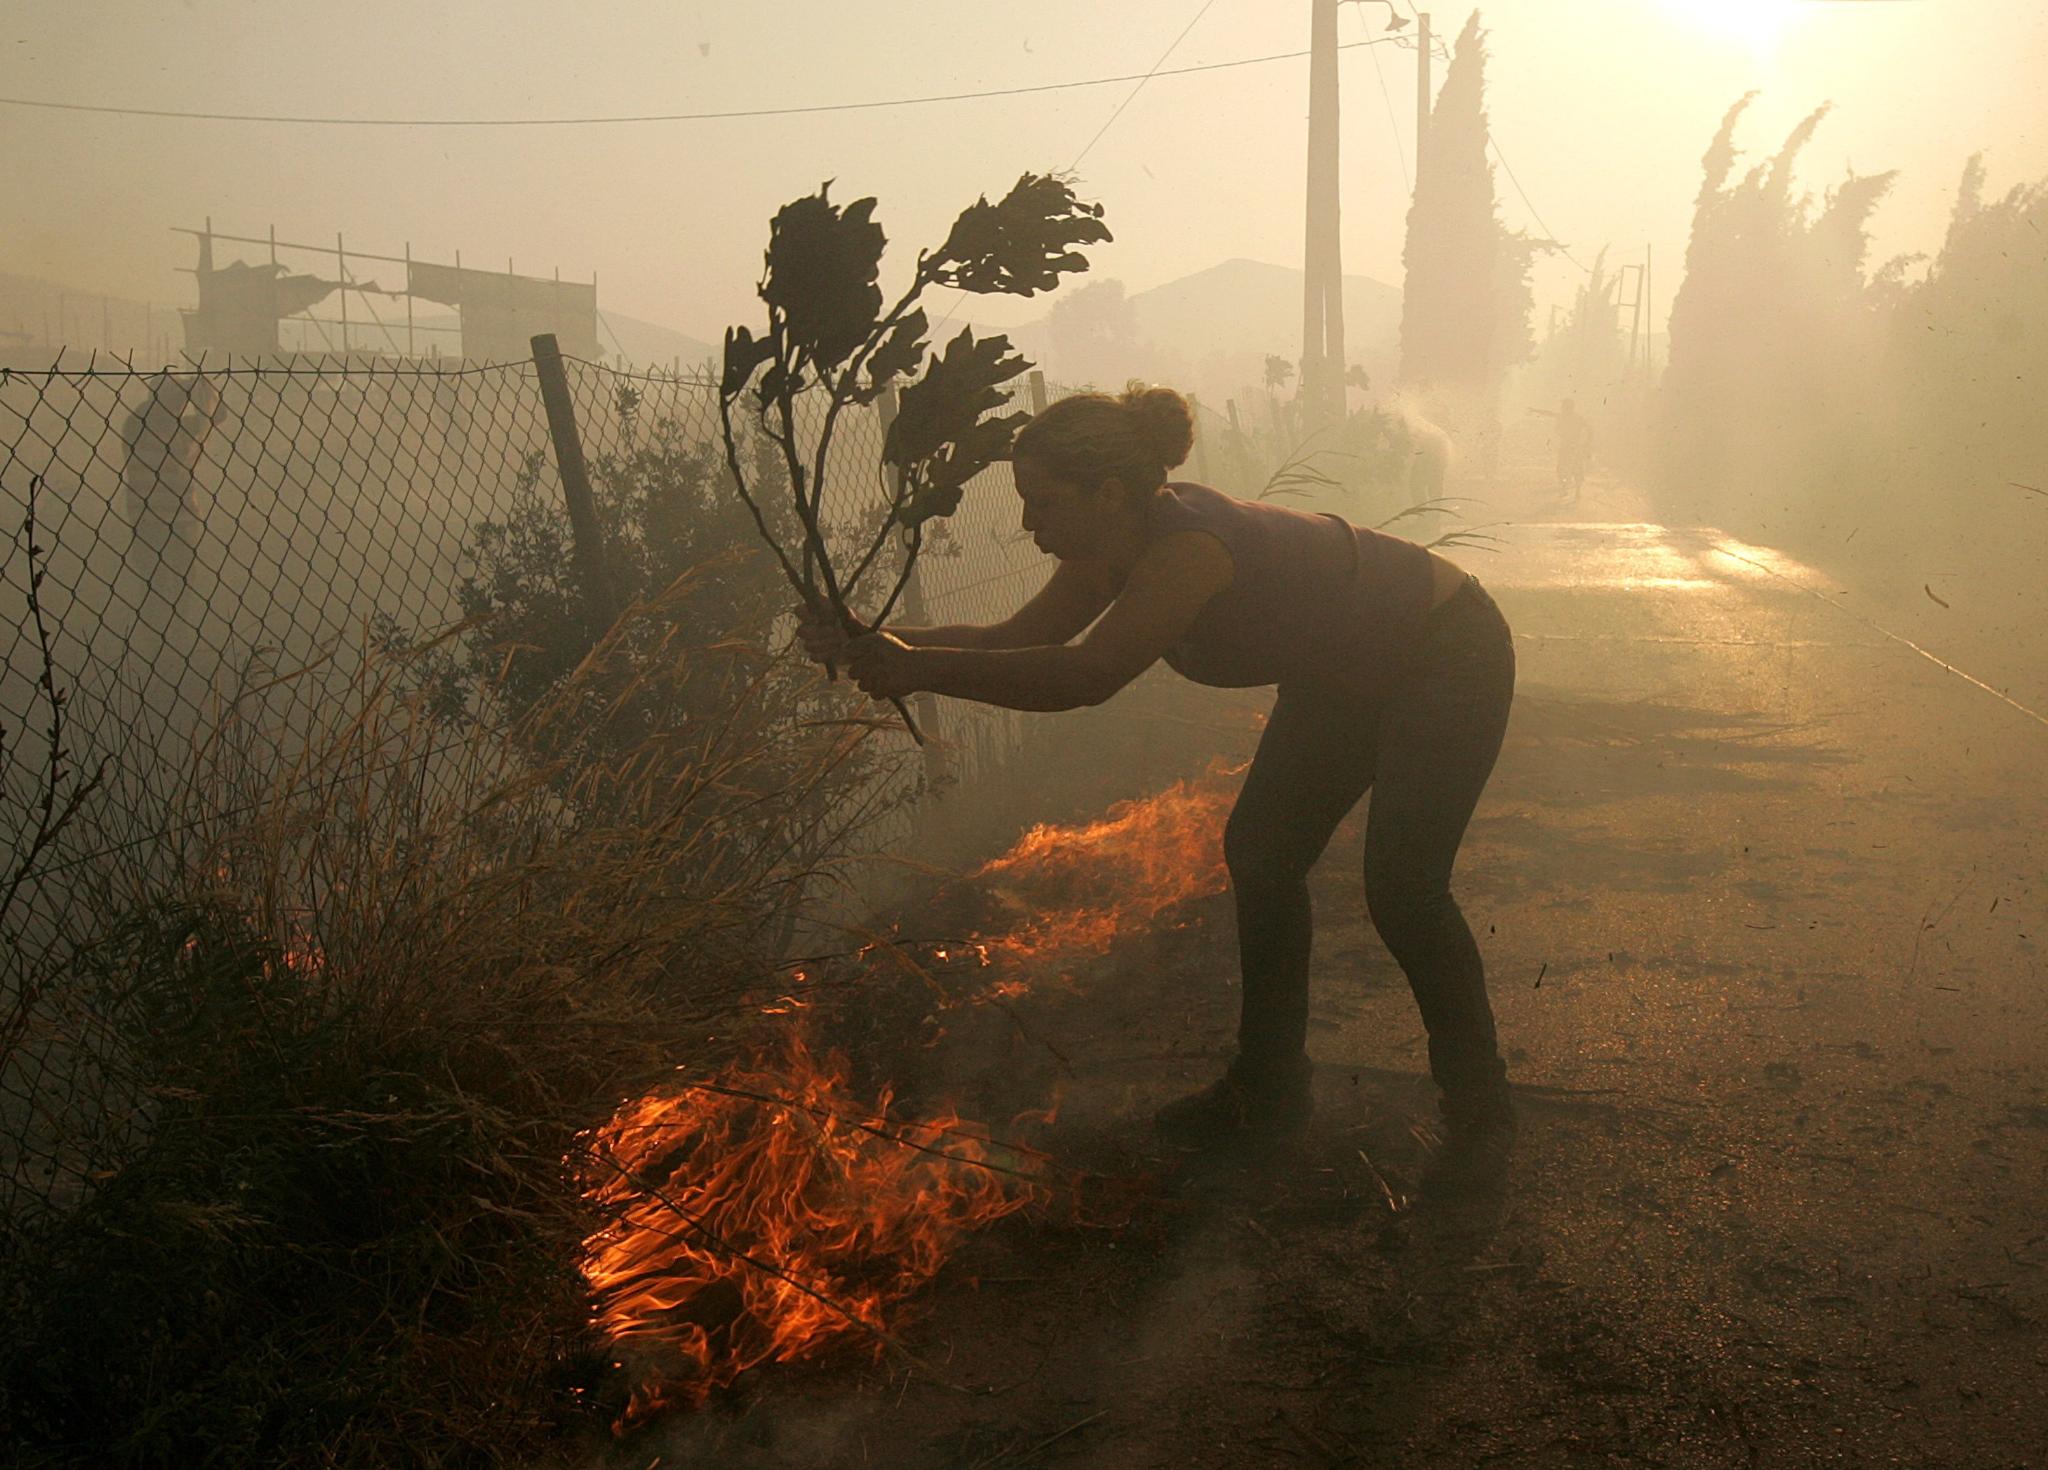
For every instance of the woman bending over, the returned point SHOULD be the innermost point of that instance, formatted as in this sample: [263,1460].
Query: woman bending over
[1393,669]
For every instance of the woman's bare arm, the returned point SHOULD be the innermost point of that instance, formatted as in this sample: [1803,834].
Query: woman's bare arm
[1158,604]
[1072,598]
[949,635]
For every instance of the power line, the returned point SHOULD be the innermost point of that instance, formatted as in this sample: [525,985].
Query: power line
[664,117]
[1178,71]
[1393,126]
[618,346]
[1499,156]
[1141,83]
[1528,204]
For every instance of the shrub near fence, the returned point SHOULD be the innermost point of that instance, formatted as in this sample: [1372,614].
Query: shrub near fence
[205,531]
[311,1206]
[221,552]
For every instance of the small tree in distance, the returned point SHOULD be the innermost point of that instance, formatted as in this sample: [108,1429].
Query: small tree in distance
[827,330]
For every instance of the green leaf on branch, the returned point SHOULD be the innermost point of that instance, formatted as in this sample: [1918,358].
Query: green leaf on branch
[820,276]
[743,353]
[929,503]
[958,387]
[898,355]
[777,382]
[1022,245]
[942,479]
[826,331]
[940,437]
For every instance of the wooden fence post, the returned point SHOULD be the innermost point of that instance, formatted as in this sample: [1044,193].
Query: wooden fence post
[1036,384]
[586,535]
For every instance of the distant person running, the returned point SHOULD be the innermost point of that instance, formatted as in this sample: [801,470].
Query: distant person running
[1574,449]
[1394,669]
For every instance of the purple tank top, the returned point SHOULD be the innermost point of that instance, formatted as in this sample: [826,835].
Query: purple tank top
[1314,599]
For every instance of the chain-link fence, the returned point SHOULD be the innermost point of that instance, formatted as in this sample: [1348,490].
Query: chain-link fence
[202,531]
[235,538]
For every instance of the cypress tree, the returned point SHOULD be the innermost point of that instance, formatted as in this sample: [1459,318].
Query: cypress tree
[1466,301]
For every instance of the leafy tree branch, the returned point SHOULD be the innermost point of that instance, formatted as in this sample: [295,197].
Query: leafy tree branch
[827,331]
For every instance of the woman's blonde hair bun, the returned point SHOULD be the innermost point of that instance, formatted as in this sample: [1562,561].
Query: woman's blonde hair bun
[1164,419]
[1134,437]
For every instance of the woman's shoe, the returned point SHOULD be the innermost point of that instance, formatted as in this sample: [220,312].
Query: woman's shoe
[1479,1139]
[1246,1104]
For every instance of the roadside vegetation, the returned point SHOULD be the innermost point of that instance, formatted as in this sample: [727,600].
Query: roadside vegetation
[1800,369]
[292,1082]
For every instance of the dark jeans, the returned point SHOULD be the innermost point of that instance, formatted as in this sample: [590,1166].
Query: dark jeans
[1426,750]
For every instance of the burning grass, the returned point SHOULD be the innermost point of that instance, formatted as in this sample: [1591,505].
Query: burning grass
[362,1023]
[767,1214]
[1083,886]
[1066,893]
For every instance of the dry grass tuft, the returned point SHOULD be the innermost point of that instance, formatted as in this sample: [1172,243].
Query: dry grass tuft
[396,973]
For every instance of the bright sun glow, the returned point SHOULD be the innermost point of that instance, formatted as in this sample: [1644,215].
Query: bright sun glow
[1756,24]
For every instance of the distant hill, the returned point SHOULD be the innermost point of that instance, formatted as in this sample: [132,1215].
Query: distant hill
[626,341]
[629,341]
[1210,332]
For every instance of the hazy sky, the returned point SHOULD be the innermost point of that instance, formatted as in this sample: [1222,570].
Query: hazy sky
[1602,107]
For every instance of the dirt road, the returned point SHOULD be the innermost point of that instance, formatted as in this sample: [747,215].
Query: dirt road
[1761,893]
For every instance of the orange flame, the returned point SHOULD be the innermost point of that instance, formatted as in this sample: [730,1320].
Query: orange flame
[767,1214]
[1094,882]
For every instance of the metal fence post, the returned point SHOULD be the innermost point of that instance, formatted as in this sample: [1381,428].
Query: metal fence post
[586,536]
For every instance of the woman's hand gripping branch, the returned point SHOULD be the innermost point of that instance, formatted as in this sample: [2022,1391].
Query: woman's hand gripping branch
[823,635]
[1016,665]
[882,664]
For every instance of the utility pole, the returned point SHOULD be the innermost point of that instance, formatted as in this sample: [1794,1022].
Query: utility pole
[1649,317]
[1322,330]
[1422,98]
[1635,314]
